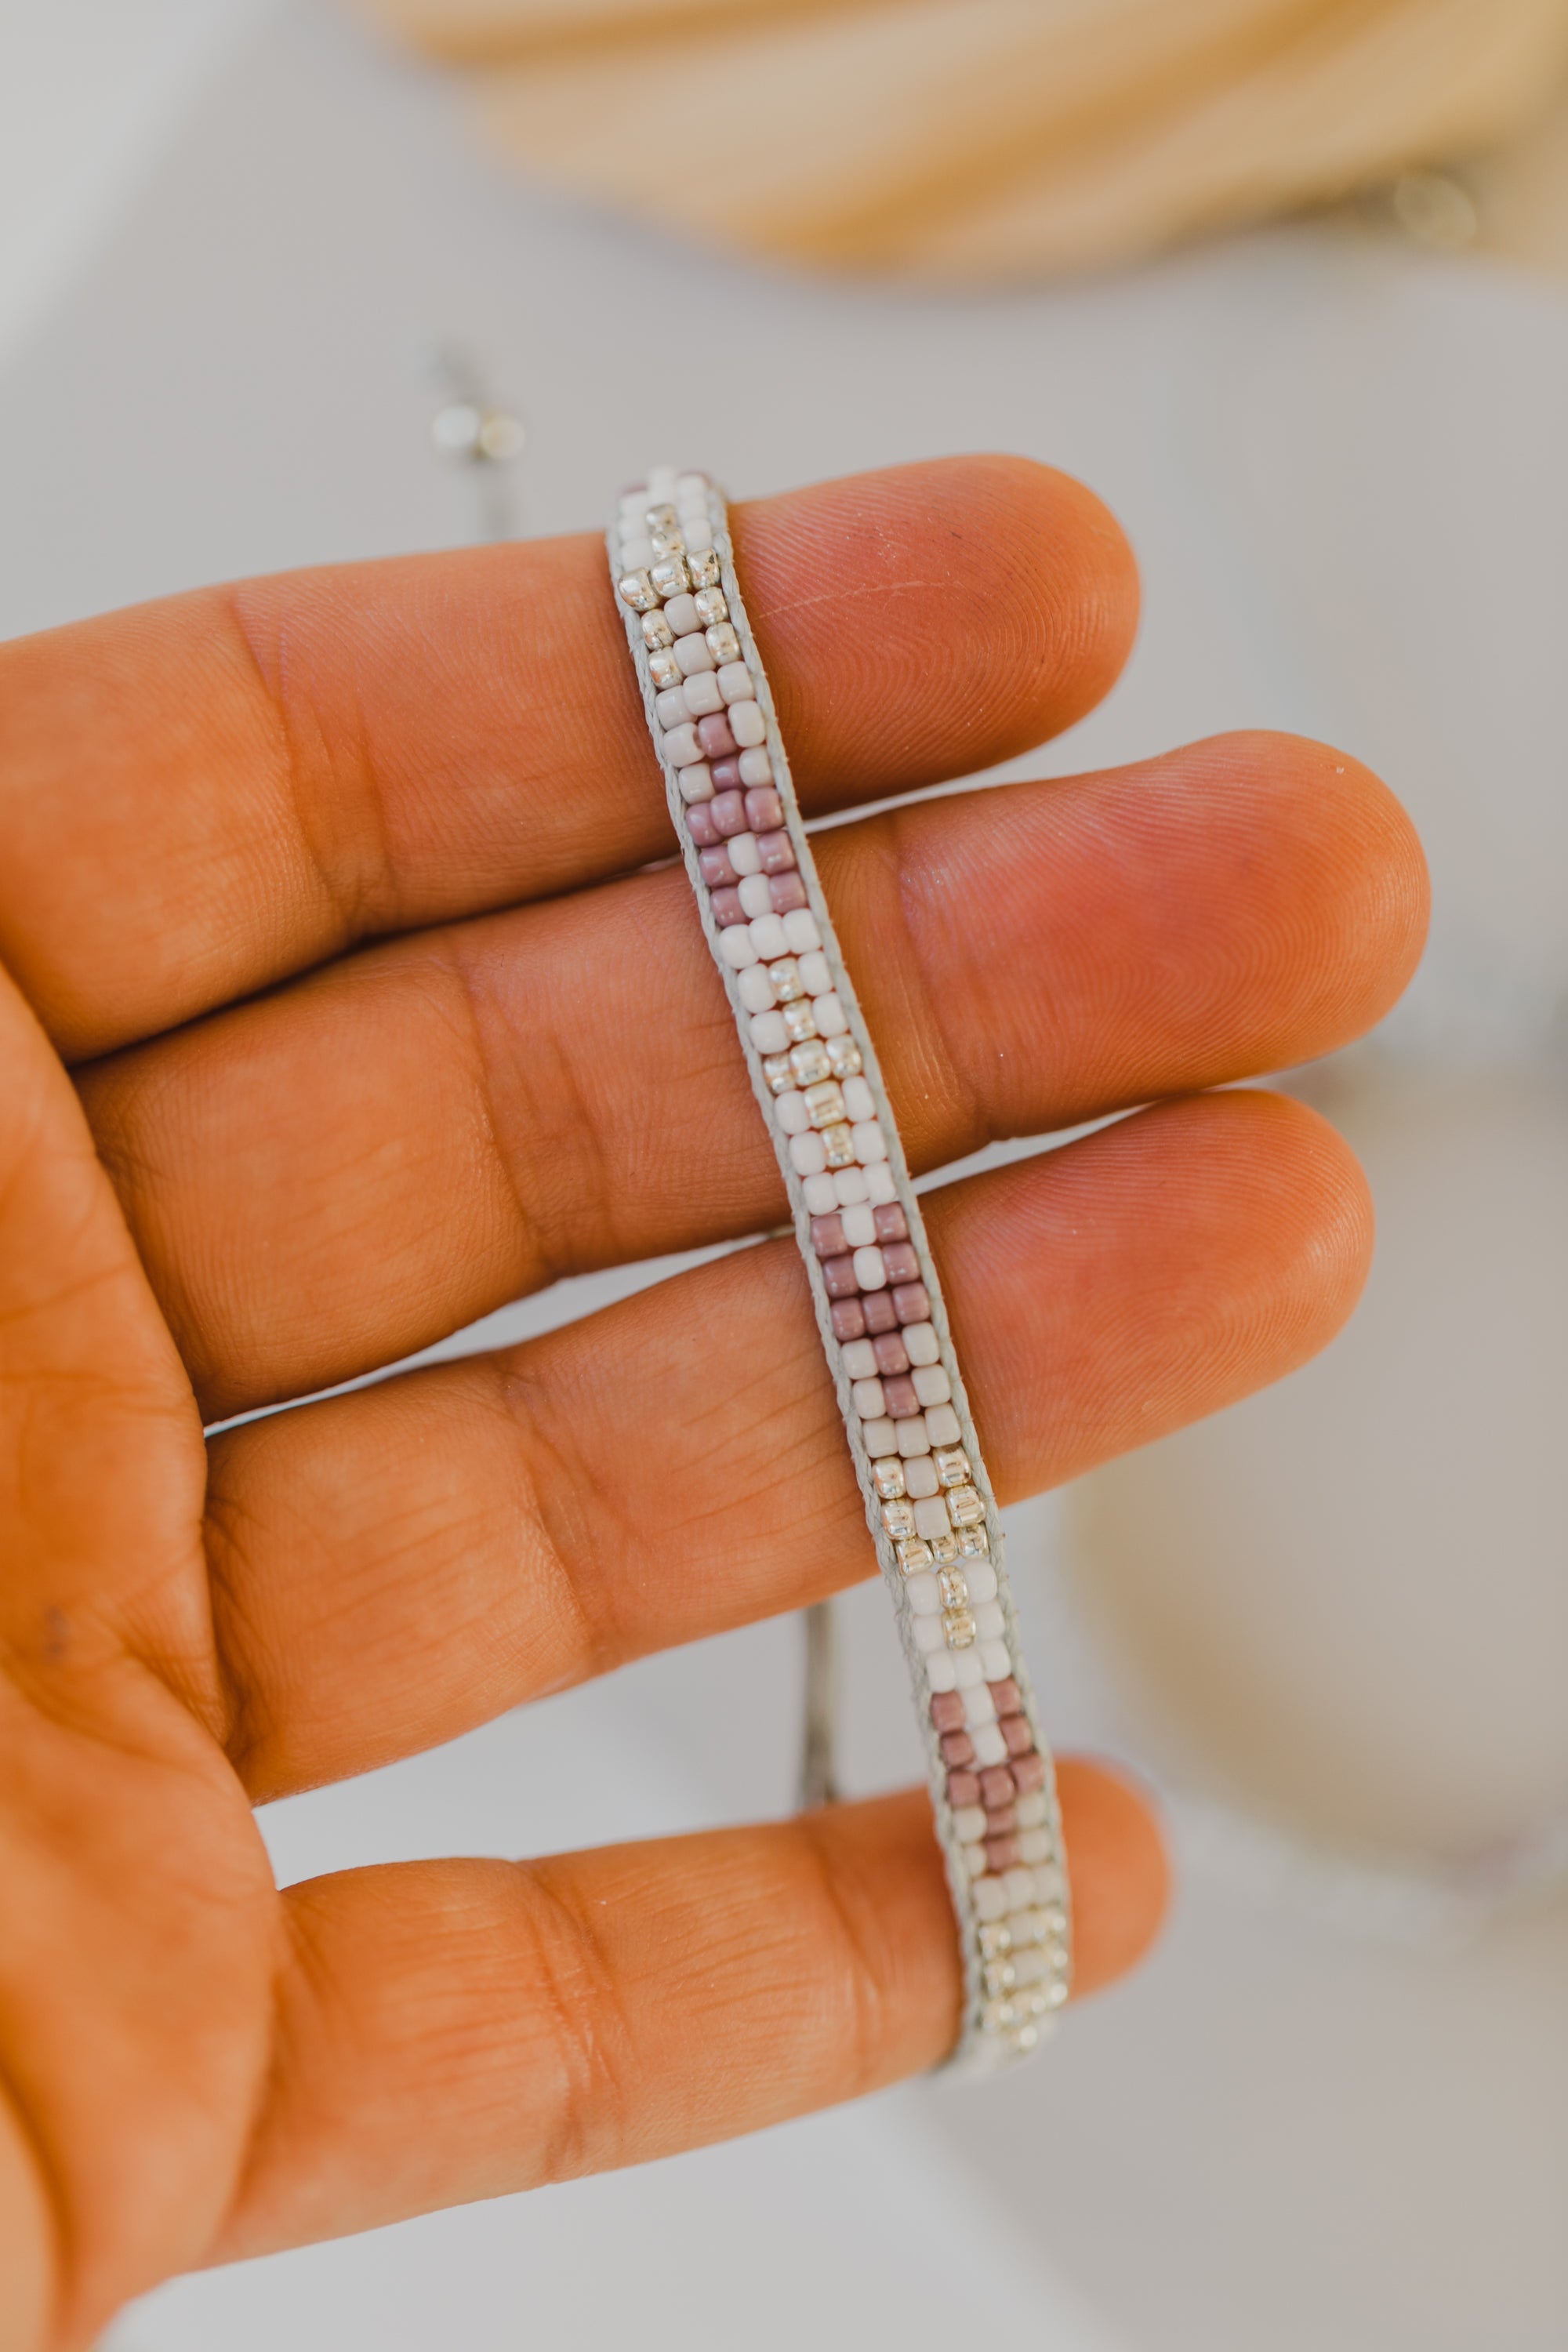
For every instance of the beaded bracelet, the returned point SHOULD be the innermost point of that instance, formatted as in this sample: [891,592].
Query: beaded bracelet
[929,1503]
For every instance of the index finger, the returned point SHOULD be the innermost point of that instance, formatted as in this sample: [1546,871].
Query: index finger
[243,781]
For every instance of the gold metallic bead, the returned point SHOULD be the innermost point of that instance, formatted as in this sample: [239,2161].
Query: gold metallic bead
[711,607]
[838,1143]
[964,1508]
[973,1543]
[889,1478]
[722,643]
[704,569]
[778,1074]
[809,1062]
[785,980]
[843,1056]
[995,1937]
[800,1020]
[945,1550]
[959,1628]
[899,1519]
[664,671]
[954,1590]
[659,519]
[656,633]
[913,1555]
[667,542]
[668,577]
[952,1465]
[637,589]
[825,1103]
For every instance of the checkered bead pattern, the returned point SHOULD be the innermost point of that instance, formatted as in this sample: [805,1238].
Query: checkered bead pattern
[929,1503]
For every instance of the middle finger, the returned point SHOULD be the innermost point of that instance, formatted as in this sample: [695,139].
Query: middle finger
[339,1175]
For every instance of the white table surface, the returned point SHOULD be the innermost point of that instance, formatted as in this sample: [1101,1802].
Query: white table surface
[228,236]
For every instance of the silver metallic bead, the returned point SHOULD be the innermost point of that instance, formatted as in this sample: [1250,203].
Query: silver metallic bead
[722,643]
[637,589]
[704,566]
[666,578]
[711,607]
[656,633]
[664,671]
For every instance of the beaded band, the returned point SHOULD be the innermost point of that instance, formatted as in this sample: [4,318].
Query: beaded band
[929,1503]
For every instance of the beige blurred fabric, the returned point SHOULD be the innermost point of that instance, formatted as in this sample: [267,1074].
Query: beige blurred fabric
[974,140]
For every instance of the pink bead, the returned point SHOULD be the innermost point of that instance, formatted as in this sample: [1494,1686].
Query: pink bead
[890,1355]
[901,1400]
[1028,1774]
[902,1263]
[848,1319]
[1007,1696]
[957,1748]
[947,1710]
[1015,1731]
[764,810]
[962,1788]
[839,1273]
[880,1315]
[827,1236]
[717,870]
[1003,1823]
[998,1786]
[893,1225]
[727,776]
[1002,1852]
[727,908]
[777,853]
[713,734]
[910,1301]
[700,826]
[729,816]
[786,891]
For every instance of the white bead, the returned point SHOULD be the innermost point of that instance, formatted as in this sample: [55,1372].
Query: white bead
[870,1272]
[735,682]
[867,1399]
[1034,1810]
[814,976]
[755,767]
[920,1338]
[939,1670]
[989,1898]
[696,782]
[989,1622]
[979,1706]
[1019,1888]
[768,1032]
[693,659]
[859,1226]
[1051,1887]
[680,746]
[848,1186]
[879,1437]
[920,1474]
[881,1186]
[860,1359]
[682,615]
[857,1103]
[754,900]
[691,488]
[996,1661]
[769,938]
[925,1594]
[789,1108]
[744,855]
[942,1425]
[931,1519]
[671,708]
[912,1438]
[870,1143]
[1035,1845]
[746,722]
[636,554]
[661,483]
[807,1153]
[735,947]
[966,1668]
[981,1579]
[697,530]
[800,923]
[969,1823]
[990,1748]
[931,1384]
[972,1857]
[821,1198]
[700,693]
[756,988]
[635,504]
[831,1019]
[927,1632]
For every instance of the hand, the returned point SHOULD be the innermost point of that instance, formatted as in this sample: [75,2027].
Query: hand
[321,888]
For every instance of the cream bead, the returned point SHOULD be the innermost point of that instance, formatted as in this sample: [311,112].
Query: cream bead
[880,1438]
[807,1153]
[870,1143]
[1035,1846]
[828,1009]
[671,705]
[966,1666]
[912,1438]
[850,1187]
[870,1272]
[919,1340]
[789,1108]
[931,1517]
[696,782]
[681,612]
[937,1666]
[925,1594]
[821,1199]
[755,767]
[697,532]
[744,855]
[746,722]
[768,1032]
[981,1579]
[735,947]
[691,655]
[768,936]
[931,1384]
[636,554]
[969,1823]
[859,1226]
[735,679]
[979,1706]
[814,976]
[754,900]
[860,1359]
[920,1473]
[800,924]
[700,693]
[756,989]
[857,1103]
[680,746]
[973,1858]
[989,1898]
[1034,1810]
[942,1424]
[990,1748]
[927,1632]
[995,1660]
[868,1399]
[989,1622]
[881,1187]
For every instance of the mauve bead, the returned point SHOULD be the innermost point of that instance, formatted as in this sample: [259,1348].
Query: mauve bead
[1007,1696]
[727,908]
[787,892]
[717,870]
[997,1787]
[893,1225]
[776,851]
[729,815]
[848,1319]
[1003,1821]
[902,1263]
[713,734]
[910,1303]
[957,1748]
[901,1400]
[827,1236]
[1002,1852]
[947,1710]
[962,1788]
[1028,1773]
[700,824]
[1015,1731]
[839,1273]
[891,1354]
[726,776]
[879,1314]
[764,810]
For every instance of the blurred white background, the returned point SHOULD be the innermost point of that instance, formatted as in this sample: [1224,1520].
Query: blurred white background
[231,233]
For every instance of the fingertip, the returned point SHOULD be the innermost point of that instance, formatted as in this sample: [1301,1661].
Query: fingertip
[1118,1868]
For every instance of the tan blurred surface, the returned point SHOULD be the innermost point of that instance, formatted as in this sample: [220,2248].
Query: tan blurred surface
[1011,139]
